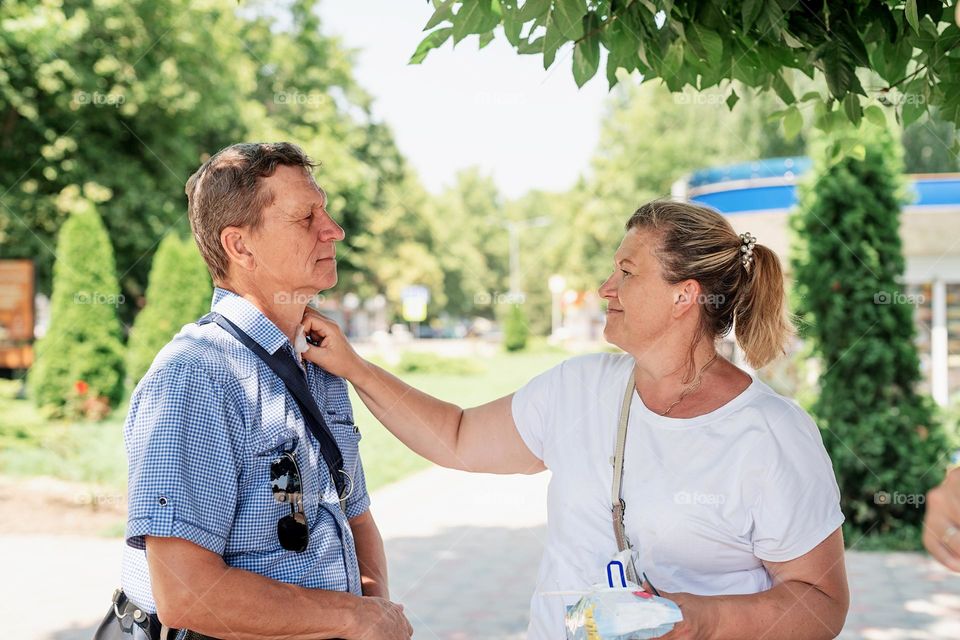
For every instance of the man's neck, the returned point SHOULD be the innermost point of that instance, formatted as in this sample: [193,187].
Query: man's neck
[283,308]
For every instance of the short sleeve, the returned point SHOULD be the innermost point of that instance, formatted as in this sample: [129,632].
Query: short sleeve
[797,502]
[359,500]
[532,409]
[184,460]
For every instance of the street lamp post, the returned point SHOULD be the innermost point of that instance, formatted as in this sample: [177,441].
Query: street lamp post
[514,227]
[557,284]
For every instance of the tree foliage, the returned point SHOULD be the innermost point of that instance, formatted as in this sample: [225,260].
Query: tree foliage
[134,95]
[81,356]
[905,48]
[179,292]
[879,431]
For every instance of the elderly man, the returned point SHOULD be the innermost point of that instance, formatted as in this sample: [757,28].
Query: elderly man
[248,511]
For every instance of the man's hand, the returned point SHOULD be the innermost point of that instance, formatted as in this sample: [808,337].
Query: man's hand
[382,620]
[941,525]
[334,353]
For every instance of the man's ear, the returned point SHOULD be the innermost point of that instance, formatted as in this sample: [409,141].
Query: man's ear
[686,296]
[231,239]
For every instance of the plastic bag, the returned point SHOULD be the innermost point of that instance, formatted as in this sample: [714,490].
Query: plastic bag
[620,613]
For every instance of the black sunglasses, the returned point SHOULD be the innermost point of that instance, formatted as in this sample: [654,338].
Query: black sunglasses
[285,483]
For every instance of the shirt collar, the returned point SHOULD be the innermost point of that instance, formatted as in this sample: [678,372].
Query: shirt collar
[251,320]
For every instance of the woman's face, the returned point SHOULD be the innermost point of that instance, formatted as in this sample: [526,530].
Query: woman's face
[639,300]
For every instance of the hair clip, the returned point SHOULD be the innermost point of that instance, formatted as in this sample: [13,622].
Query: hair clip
[747,242]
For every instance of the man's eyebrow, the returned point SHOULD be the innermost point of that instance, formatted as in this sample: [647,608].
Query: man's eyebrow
[625,261]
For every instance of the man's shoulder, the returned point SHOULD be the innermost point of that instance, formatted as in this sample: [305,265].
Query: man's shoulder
[206,350]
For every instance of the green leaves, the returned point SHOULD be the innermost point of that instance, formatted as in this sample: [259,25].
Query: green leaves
[474,16]
[752,41]
[568,15]
[792,122]
[586,53]
[432,41]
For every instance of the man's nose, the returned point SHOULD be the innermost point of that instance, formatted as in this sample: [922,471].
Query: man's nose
[331,231]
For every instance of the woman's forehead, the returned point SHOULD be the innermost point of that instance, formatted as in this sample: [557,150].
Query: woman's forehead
[637,245]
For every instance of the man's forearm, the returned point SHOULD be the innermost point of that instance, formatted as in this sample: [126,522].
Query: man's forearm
[370,556]
[194,589]
[241,605]
[423,423]
[789,611]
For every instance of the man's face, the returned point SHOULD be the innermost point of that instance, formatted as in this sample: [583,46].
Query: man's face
[295,246]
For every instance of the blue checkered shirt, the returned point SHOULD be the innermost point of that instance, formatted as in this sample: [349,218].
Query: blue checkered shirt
[204,425]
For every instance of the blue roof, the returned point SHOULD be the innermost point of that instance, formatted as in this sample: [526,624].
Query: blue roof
[769,185]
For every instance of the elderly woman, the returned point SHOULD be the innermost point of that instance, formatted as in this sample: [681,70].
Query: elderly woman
[731,505]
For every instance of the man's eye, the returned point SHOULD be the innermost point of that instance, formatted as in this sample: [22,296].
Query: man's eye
[626,273]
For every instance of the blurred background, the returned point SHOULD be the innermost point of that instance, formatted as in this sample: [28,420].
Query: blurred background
[482,198]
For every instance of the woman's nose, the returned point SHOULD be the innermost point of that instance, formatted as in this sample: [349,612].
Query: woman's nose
[607,290]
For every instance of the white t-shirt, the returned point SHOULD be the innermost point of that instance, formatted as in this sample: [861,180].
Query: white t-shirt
[707,498]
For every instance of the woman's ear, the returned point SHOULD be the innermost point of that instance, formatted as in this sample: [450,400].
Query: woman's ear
[686,296]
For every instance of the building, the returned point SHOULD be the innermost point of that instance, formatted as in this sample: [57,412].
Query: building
[758,196]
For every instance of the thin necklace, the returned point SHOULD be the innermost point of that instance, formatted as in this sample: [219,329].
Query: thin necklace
[693,385]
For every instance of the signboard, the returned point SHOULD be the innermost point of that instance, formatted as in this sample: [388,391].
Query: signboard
[414,300]
[16,313]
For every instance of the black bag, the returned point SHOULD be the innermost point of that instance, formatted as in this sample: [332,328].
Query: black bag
[126,621]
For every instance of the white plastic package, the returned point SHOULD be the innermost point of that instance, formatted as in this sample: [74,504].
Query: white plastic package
[623,612]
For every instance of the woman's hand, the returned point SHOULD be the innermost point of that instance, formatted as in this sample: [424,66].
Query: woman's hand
[334,353]
[941,527]
[699,617]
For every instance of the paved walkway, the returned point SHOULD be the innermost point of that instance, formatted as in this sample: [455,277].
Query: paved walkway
[463,552]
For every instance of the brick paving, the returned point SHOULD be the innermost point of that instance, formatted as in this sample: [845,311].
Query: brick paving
[464,551]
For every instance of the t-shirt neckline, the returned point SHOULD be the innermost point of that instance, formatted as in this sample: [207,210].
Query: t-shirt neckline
[652,417]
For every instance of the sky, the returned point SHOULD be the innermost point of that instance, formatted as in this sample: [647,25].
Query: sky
[527,127]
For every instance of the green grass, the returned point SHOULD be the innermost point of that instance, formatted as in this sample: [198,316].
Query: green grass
[386,460]
[93,453]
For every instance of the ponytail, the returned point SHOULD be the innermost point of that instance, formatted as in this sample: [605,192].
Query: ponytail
[761,324]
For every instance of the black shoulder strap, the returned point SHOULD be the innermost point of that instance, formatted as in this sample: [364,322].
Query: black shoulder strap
[287,370]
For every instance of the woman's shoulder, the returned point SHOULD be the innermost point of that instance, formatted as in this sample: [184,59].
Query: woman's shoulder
[597,366]
[781,417]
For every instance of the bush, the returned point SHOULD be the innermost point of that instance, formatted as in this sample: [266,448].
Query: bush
[79,362]
[880,432]
[422,362]
[179,292]
[516,331]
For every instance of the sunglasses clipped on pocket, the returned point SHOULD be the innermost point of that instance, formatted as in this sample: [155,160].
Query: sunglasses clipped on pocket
[287,486]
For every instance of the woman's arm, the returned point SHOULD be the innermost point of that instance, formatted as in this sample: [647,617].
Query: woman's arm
[808,601]
[482,439]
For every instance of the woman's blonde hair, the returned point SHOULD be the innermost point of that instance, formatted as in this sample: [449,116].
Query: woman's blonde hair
[697,243]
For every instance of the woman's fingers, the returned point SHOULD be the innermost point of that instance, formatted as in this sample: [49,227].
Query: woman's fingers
[941,537]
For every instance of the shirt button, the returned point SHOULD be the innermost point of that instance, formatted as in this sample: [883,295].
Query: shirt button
[162,501]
